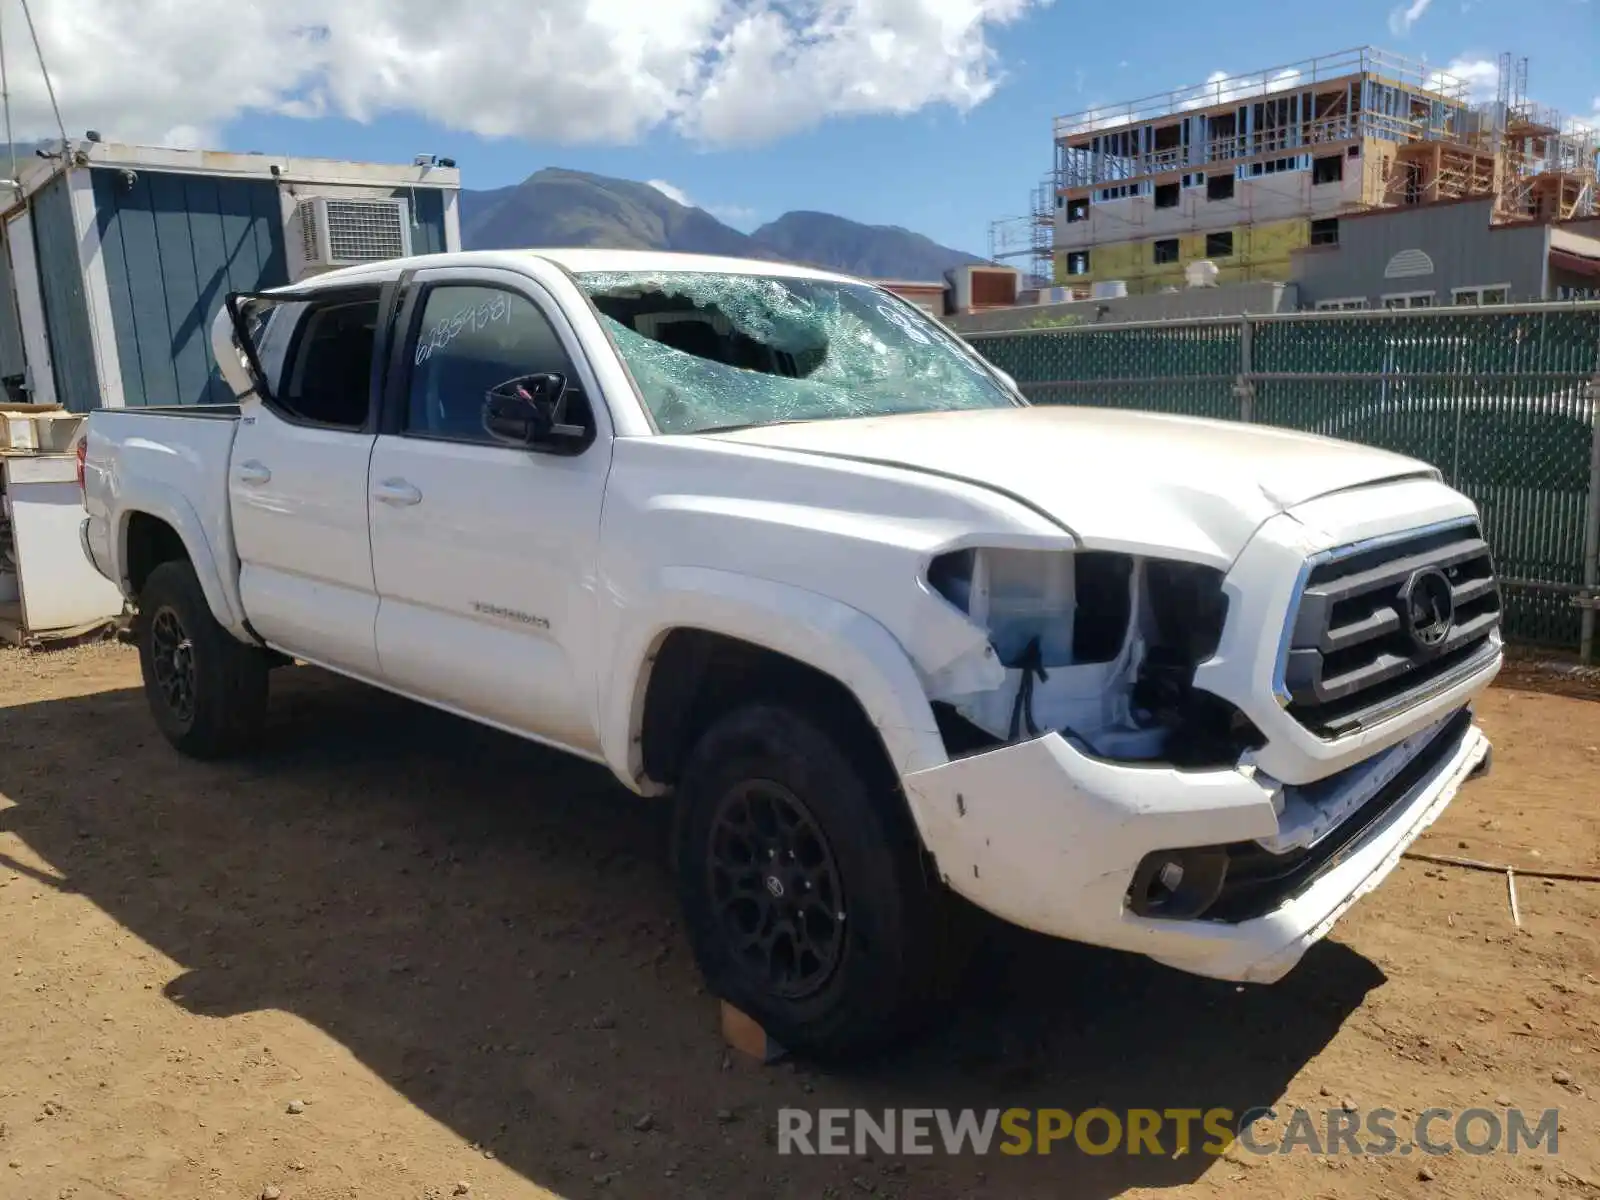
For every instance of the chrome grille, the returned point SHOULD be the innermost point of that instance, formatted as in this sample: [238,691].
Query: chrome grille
[1381,627]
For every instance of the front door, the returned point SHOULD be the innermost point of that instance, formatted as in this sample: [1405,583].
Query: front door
[297,483]
[484,554]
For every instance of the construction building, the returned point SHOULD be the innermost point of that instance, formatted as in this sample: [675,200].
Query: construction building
[1240,172]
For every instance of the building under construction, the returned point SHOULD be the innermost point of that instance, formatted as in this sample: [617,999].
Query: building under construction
[1239,172]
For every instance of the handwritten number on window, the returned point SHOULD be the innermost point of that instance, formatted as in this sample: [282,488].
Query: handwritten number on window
[473,319]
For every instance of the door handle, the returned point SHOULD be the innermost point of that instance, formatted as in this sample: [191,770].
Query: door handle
[396,492]
[253,473]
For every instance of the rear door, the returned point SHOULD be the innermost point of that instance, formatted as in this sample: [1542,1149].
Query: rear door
[297,481]
[484,554]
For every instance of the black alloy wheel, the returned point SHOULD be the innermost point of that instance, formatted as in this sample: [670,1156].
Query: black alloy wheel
[172,661]
[776,888]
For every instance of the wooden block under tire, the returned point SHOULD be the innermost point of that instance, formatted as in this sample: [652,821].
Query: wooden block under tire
[746,1035]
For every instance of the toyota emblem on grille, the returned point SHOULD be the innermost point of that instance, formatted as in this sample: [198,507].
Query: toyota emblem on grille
[1427,608]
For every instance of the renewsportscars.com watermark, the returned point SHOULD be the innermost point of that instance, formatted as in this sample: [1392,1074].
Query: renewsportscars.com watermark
[1169,1132]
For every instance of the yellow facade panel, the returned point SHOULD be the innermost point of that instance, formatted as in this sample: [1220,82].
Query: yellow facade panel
[1260,252]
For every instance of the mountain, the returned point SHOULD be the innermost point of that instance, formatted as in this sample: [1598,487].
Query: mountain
[557,207]
[873,251]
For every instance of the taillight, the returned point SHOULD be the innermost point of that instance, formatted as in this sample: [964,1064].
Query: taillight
[83,453]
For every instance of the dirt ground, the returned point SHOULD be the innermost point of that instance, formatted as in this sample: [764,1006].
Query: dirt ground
[394,955]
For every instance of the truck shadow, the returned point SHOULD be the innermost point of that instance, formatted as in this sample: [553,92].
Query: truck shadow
[491,929]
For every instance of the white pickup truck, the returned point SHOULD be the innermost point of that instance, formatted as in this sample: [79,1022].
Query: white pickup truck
[769,541]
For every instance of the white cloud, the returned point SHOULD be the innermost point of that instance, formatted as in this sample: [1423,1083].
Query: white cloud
[717,71]
[1479,77]
[776,69]
[736,215]
[1100,118]
[1221,87]
[184,137]
[672,193]
[1403,18]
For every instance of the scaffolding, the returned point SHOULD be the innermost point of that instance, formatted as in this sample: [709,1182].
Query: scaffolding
[1550,162]
[1426,172]
[1544,165]
[1030,237]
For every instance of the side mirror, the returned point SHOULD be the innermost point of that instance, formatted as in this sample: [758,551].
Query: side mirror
[530,411]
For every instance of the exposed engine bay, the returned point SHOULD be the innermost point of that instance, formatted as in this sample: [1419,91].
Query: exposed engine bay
[1100,647]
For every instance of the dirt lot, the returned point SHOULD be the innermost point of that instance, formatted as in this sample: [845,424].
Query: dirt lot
[455,955]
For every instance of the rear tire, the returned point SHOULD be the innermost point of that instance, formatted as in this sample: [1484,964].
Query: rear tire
[207,690]
[803,886]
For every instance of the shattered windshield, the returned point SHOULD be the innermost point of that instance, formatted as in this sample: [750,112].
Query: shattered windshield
[714,351]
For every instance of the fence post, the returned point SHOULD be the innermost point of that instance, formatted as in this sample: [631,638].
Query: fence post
[1244,386]
[1591,528]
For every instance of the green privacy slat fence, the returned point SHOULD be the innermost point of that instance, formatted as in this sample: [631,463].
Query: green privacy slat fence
[1172,368]
[1501,400]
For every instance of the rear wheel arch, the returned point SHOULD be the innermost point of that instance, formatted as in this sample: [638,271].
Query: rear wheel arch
[163,527]
[147,542]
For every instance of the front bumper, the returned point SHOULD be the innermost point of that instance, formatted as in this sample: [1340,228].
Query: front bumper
[1049,838]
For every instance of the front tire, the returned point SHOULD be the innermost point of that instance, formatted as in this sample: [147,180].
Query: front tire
[803,886]
[206,689]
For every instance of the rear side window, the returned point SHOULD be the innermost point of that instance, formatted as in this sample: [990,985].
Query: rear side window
[316,356]
[328,380]
[471,339]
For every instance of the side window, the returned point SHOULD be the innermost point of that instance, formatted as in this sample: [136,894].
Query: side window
[326,359]
[470,340]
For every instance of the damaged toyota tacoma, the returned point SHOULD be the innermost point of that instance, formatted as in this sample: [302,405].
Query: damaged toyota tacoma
[771,543]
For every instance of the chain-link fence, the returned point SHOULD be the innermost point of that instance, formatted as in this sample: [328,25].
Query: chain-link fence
[1502,400]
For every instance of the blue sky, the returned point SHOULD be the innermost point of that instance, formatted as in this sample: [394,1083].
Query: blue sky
[216,74]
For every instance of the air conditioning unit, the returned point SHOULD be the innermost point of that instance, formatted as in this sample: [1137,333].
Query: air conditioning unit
[340,232]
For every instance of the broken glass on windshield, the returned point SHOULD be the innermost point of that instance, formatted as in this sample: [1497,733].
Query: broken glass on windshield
[714,351]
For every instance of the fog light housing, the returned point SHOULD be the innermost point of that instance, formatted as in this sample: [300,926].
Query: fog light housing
[1178,884]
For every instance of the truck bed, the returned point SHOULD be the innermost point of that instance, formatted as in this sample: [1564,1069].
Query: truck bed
[170,461]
